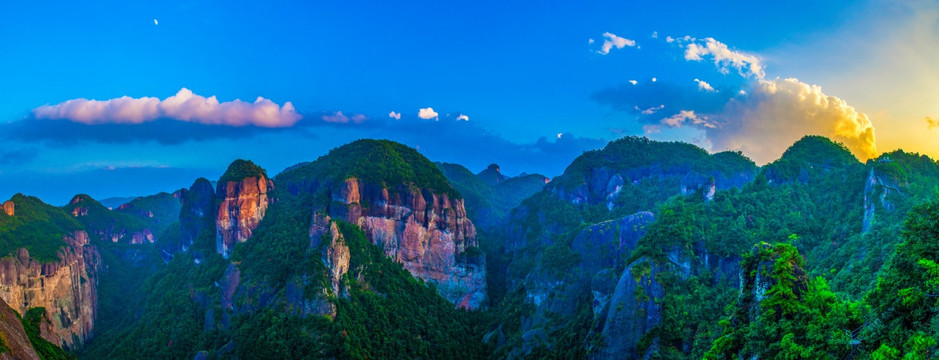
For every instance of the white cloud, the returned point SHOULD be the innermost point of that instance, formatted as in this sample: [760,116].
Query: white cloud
[669,39]
[703,85]
[612,41]
[394,115]
[184,106]
[655,34]
[428,113]
[634,82]
[560,135]
[339,118]
[462,117]
[590,41]
[155,22]
[746,64]
[654,79]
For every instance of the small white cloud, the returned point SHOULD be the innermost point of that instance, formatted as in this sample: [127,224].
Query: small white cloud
[669,39]
[395,115]
[703,85]
[634,82]
[652,110]
[742,92]
[655,34]
[462,117]
[590,41]
[339,118]
[654,79]
[651,129]
[155,22]
[614,41]
[428,113]
[560,135]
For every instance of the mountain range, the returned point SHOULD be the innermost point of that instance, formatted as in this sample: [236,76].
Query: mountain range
[642,249]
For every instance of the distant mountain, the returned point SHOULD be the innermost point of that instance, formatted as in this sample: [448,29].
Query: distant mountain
[487,201]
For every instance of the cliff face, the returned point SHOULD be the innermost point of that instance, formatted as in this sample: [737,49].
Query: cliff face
[66,288]
[243,204]
[14,336]
[422,230]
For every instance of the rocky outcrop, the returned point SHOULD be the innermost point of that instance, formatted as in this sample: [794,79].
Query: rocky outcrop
[9,208]
[243,204]
[67,288]
[492,175]
[877,190]
[14,336]
[424,231]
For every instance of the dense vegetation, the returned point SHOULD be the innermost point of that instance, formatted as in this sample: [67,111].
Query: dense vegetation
[241,169]
[373,161]
[35,226]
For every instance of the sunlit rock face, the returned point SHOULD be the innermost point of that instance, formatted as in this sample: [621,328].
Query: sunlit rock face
[426,232]
[243,204]
[67,288]
[9,208]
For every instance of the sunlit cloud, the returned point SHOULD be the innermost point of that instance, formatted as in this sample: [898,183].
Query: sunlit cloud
[612,41]
[651,110]
[428,113]
[462,117]
[184,106]
[634,82]
[395,115]
[932,122]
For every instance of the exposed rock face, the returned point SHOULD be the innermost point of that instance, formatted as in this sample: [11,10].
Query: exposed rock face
[66,288]
[14,336]
[335,255]
[243,204]
[9,208]
[877,190]
[422,230]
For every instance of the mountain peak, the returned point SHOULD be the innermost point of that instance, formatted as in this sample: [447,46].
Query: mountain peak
[241,169]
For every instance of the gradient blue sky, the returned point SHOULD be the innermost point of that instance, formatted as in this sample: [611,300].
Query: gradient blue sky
[522,73]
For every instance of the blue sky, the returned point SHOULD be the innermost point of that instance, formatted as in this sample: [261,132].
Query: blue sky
[522,74]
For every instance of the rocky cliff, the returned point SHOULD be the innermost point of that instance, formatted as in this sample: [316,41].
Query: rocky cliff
[244,200]
[14,336]
[423,230]
[106,225]
[9,208]
[67,288]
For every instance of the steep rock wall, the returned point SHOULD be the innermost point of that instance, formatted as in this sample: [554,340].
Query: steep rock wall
[243,204]
[424,231]
[66,288]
